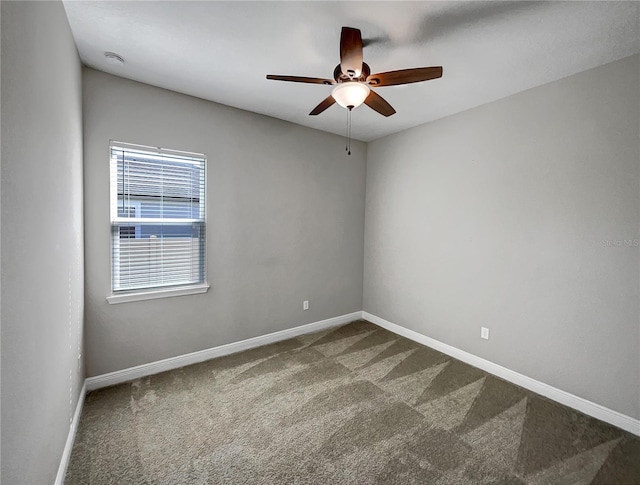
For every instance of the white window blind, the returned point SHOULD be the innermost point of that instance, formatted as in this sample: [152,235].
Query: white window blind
[157,217]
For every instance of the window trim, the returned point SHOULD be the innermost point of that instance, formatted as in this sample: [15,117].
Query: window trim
[126,296]
[153,294]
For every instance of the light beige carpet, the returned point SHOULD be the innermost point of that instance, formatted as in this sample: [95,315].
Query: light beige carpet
[353,405]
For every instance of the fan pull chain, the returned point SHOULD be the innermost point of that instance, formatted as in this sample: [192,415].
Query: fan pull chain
[346,138]
[348,147]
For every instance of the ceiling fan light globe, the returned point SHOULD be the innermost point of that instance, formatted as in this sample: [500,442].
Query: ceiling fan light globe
[350,94]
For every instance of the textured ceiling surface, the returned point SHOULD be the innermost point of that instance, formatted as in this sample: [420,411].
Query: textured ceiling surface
[222,51]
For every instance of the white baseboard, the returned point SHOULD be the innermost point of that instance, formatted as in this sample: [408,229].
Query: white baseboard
[66,453]
[597,411]
[171,363]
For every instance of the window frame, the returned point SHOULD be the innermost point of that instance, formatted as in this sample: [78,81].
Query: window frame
[141,294]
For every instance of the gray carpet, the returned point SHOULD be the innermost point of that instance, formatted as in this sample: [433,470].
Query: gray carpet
[352,405]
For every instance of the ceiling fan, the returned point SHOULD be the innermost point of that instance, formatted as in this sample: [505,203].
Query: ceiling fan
[353,79]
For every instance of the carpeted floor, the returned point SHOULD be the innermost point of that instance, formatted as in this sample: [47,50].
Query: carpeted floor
[352,405]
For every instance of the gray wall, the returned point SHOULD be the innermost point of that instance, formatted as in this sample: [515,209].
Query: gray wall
[42,256]
[285,216]
[500,216]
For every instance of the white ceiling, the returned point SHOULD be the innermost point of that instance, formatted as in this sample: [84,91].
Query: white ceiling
[221,51]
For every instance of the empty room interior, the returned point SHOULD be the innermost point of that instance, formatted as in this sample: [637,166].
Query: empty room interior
[320,242]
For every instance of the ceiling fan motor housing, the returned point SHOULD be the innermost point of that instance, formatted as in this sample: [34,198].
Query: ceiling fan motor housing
[340,77]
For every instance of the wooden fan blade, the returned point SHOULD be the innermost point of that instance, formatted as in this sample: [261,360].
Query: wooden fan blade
[405,76]
[326,102]
[300,79]
[377,103]
[351,52]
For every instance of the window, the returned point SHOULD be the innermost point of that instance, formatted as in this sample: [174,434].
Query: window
[157,219]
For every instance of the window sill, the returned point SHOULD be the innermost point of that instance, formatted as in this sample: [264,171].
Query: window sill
[152,294]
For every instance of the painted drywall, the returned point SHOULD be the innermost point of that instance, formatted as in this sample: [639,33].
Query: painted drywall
[522,215]
[285,215]
[42,245]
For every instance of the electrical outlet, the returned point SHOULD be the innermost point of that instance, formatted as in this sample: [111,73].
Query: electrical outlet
[305,305]
[484,333]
